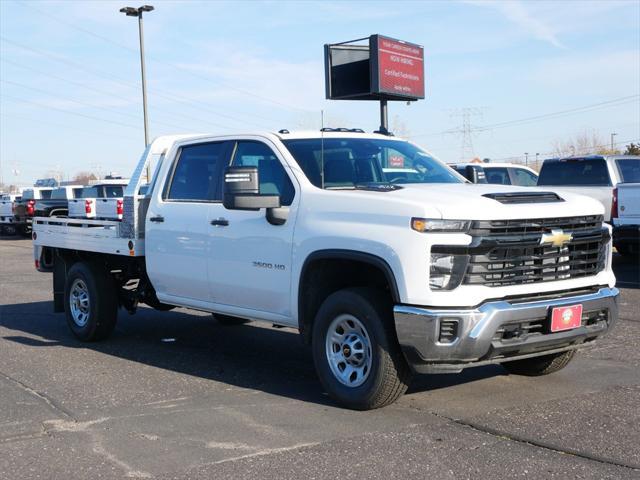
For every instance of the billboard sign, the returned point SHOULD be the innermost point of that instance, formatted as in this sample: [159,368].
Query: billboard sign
[397,68]
[374,68]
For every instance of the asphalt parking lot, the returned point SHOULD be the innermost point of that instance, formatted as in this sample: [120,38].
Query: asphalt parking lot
[175,395]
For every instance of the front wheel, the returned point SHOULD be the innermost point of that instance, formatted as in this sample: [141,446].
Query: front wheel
[537,366]
[91,302]
[355,350]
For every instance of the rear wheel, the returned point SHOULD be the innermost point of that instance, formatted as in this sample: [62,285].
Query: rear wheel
[24,230]
[356,352]
[537,366]
[91,302]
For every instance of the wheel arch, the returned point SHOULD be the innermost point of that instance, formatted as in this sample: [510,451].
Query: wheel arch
[313,269]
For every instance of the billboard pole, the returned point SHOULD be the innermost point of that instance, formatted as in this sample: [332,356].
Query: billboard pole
[384,117]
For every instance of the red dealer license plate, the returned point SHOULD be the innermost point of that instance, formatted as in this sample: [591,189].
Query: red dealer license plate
[566,318]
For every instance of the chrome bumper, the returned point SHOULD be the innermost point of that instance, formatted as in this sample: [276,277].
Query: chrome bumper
[475,341]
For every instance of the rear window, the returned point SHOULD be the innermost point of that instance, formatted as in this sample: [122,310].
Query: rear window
[575,172]
[113,191]
[59,193]
[45,194]
[89,192]
[27,194]
[629,169]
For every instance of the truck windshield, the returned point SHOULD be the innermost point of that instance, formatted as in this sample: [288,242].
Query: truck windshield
[338,163]
[578,171]
[629,169]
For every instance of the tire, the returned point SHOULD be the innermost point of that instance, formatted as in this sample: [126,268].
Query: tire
[626,251]
[368,369]
[24,230]
[538,366]
[229,321]
[90,302]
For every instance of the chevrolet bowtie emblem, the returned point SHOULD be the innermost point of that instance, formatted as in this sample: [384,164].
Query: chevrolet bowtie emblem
[557,238]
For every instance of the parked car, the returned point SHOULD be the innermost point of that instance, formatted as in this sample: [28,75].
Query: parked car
[7,213]
[99,200]
[25,208]
[383,277]
[594,176]
[58,204]
[498,173]
[626,218]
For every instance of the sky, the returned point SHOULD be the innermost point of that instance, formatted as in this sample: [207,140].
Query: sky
[528,74]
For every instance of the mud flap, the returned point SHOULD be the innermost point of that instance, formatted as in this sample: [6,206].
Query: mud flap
[59,279]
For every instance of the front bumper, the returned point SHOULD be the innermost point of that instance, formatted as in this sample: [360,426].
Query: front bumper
[449,340]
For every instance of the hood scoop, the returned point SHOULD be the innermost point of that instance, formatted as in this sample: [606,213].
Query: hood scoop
[524,197]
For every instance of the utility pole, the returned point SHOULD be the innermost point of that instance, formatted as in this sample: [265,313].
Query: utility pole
[466,130]
[137,12]
[612,135]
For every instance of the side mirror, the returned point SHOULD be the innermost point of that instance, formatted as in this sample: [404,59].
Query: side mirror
[242,190]
[475,174]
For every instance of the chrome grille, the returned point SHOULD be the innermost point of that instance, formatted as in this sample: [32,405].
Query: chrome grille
[509,251]
[503,228]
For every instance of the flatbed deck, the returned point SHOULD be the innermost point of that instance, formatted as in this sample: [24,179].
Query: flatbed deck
[101,236]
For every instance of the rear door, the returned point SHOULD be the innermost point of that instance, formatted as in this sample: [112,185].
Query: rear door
[177,223]
[249,258]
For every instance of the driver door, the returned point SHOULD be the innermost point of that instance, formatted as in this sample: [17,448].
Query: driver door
[250,258]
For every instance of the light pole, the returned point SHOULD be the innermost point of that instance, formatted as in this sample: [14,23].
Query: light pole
[612,135]
[137,12]
[537,155]
[526,158]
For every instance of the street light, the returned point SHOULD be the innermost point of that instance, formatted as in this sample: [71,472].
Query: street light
[137,12]
[526,158]
[612,135]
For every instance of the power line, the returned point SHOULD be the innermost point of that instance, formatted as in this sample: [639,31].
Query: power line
[70,112]
[110,94]
[172,65]
[59,125]
[596,106]
[104,74]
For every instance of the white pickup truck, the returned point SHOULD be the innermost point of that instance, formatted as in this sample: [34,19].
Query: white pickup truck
[7,213]
[594,176]
[103,200]
[383,276]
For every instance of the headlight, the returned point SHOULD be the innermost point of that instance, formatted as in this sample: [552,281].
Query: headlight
[434,225]
[447,271]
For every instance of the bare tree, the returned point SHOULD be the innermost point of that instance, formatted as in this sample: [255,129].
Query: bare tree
[585,143]
[83,178]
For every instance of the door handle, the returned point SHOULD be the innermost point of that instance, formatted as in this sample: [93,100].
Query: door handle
[157,219]
[220,222]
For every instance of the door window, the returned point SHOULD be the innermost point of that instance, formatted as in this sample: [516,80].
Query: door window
[524,177]
[497,175]
[273,178]
[196,173]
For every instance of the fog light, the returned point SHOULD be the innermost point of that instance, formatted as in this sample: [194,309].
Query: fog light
[447,271]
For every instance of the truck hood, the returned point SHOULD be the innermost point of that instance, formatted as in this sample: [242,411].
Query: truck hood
[468,201]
